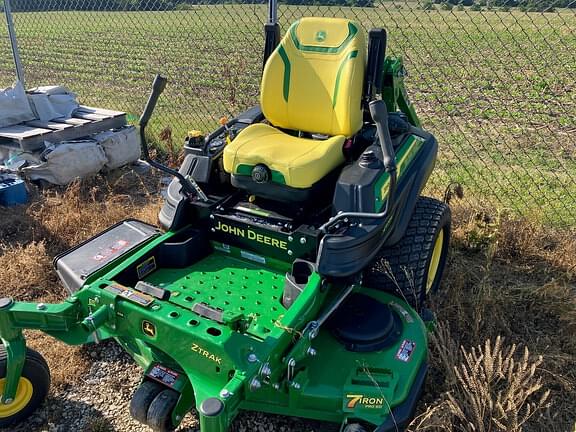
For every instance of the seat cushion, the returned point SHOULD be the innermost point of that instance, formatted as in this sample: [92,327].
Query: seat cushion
[295,162]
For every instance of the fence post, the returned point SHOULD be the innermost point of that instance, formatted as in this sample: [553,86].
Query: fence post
[272,11]
[14,42]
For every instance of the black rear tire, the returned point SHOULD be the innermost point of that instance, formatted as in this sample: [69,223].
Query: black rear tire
[159,416]
[32,389]
[143,397]
[407,268]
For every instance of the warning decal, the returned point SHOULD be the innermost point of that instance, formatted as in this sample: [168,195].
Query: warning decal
[405,351]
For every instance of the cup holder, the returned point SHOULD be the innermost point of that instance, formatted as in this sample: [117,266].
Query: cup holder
[296,281]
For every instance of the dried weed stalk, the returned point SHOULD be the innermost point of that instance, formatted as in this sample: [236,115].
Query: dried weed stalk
[494,390]
[486,389]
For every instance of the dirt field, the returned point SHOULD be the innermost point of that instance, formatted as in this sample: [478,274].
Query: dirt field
[509,284]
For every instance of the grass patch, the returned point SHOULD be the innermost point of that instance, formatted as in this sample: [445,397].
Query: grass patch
[57,219]
[510,289]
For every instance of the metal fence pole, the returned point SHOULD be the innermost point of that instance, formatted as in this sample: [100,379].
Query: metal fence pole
[272,11]
[14,42]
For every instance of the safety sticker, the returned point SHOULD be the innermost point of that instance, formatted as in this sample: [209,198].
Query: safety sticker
[130,294]
[406,350]
[222,247]
[164,375]
[145,268]
[106,253]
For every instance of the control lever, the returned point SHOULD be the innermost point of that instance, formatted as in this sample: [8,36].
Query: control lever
[379,114]
[189,185]
[158,87]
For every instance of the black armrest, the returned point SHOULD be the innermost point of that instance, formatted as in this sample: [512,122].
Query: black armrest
[250,116]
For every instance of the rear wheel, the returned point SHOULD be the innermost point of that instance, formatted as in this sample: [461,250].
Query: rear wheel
[413,268]
[32,388]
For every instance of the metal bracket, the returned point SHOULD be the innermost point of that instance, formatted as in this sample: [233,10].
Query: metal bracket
[16,357]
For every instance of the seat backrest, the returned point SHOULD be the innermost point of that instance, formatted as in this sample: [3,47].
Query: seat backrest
[313,81]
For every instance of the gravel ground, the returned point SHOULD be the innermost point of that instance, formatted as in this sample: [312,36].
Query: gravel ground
[99,403]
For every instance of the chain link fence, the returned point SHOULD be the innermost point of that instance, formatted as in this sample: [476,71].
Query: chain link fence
[494,80]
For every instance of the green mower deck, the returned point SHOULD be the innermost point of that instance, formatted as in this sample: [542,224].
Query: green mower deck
[255,355]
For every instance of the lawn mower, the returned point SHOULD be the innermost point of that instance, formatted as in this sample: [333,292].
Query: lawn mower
[295,256]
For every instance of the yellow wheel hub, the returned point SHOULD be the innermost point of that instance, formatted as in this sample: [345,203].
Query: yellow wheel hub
[23,396]
[435,261]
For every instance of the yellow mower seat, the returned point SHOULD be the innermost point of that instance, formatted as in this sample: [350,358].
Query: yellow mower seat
[311,83]
[292,161]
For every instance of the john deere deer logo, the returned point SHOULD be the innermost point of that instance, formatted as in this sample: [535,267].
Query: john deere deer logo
[321,36]
[148,328]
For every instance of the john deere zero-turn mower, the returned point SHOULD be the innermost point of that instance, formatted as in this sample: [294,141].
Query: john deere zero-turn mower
[294,264]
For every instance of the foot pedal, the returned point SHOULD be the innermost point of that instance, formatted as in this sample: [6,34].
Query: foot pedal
[152,290]
[208,312]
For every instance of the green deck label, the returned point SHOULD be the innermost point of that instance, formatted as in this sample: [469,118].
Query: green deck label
[362,401]
[198,349]
[251,235]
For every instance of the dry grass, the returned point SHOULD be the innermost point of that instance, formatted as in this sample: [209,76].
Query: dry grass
[510,284]
[502,359]
[490,388]
[56,219]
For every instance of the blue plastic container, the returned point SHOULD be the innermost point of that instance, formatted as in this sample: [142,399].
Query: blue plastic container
[12,190]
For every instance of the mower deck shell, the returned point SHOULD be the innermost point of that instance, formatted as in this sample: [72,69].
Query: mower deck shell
[209,358]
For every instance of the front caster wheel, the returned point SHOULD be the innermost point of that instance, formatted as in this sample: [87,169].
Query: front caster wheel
[159,416]
[142,399]
[32,387]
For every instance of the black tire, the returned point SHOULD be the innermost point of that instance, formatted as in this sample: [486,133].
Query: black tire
[159,416]
[403,269]
[37,373]
[354,427]
[143,397]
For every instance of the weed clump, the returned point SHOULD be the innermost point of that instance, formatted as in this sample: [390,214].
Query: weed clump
[494,390]
[490,387]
